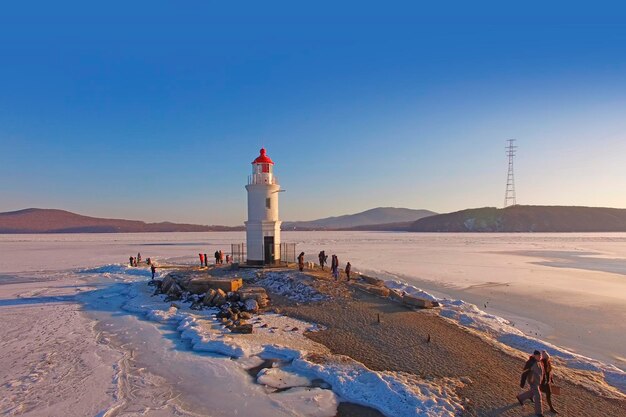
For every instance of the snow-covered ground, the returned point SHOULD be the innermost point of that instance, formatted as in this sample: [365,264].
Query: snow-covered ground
[74,314]
[95,341]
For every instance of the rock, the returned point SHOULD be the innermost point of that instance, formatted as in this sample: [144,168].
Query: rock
[395,295]
[372,289]
[264,325]
[295,329]
[174,292]
[252,292]
[251,305]
[243,328]
[167,283]
[373,281]
[220,297]
[196,306]
[245,315]
[208,297]
[418,302]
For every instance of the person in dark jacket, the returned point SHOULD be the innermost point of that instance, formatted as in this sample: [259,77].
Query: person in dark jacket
[348,269]
[534,376]
[206,260]
[301,261]
[322,258]
[153,269]
[545,386]
[334,267]
[217,257]
[131,261]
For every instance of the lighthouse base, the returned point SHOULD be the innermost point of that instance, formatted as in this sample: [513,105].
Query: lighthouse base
[263,242]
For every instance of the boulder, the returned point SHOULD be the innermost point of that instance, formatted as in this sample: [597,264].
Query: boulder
[244,315]
[251,305]
[373,281]
[174,292]
[167,283]
[200,285]
[252,292]
[395,295]
[413,301]
[242,328]
[372,289]
[220,297]
[208,297]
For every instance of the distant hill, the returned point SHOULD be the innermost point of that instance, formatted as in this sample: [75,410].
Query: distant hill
[35,220]
[379,217]
[526,219]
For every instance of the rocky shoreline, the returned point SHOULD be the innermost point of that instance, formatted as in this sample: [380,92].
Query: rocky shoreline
[386,331]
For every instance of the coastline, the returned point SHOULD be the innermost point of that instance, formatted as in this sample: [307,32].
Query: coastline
[89,253]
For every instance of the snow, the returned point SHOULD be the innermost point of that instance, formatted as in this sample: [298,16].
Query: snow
[81,312]
[281,378]
[503,331]
[313,402]
[291,285]
[283,338]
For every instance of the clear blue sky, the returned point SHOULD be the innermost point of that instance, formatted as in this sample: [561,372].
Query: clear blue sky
[154,110]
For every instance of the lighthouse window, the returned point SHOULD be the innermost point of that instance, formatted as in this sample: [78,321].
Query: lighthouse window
[266,167]
[268,203]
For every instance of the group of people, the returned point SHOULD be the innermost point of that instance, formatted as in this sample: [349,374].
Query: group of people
[323,258]
[537,374]
[134,261]
[219,258]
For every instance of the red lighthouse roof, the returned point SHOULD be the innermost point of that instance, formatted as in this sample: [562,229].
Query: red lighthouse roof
[263,158]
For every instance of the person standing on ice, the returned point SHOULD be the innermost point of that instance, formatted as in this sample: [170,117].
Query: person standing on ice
[301,261]
[131,261]
[201,259]
[534,377]
[221,257]
[217,257]
[334,267]
[138,257]
[348,269]
[322,258]
[206,260]
[153,269]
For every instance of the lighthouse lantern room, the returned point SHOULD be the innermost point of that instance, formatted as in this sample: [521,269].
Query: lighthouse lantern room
[263,226]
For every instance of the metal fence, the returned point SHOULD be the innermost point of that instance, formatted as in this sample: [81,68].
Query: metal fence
[288,252]
[238,252]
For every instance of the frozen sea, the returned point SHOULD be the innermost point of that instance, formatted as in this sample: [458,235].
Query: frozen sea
[71,310]
[569,289]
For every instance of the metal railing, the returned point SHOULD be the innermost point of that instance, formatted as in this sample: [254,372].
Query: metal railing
[258,179]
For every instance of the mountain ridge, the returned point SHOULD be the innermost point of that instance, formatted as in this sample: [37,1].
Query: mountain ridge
[378,216]
[38,220]
[519,218]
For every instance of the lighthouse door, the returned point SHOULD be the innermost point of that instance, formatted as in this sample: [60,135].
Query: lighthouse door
[268,244]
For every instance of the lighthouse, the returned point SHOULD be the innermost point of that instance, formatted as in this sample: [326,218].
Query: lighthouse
[263,226]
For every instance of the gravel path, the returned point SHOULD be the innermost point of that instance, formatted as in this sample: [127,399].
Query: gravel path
[399,343]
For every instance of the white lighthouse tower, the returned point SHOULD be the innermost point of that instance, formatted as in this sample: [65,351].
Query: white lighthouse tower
[263,226]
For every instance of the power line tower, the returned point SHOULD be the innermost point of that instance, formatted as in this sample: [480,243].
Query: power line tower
[509,196]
